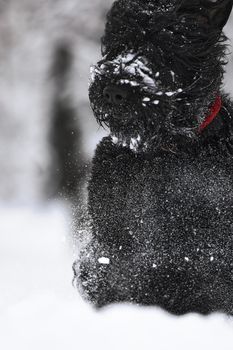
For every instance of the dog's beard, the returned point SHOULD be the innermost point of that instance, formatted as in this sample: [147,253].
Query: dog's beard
[138,120]
[133,126]
[138,135]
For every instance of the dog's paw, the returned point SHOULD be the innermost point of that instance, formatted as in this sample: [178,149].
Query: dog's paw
[91,278]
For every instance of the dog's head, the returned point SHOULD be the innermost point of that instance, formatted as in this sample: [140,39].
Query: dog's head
[162,67]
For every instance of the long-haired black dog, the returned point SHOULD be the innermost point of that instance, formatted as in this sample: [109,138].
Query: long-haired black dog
[161,189]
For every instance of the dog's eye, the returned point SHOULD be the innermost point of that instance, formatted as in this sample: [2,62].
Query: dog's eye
[198,19]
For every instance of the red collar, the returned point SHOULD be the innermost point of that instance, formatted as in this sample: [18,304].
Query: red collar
[212,114]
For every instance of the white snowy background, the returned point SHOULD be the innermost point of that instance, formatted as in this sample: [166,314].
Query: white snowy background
[39,308]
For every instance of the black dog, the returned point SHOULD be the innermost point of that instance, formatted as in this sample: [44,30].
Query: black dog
[161,190]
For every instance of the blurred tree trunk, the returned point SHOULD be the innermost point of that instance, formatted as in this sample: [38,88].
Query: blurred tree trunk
[65,132]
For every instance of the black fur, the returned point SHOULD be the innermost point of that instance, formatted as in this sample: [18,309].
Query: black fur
[161,191]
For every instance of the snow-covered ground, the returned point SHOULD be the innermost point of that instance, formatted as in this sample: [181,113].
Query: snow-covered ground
[39,308]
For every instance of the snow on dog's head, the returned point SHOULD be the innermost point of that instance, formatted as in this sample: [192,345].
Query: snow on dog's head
[161,70]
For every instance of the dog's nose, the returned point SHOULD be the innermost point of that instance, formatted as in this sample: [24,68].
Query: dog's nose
[115,94]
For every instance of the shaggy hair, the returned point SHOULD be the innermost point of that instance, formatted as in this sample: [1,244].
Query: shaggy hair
[185,70]
[160,194]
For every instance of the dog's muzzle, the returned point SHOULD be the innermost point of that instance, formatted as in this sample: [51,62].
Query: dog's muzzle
[115,95]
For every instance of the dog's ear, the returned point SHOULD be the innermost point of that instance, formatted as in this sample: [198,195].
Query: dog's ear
[216,12]
[219,12]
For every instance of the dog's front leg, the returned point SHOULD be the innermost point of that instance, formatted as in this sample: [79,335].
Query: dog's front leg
[99,271]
